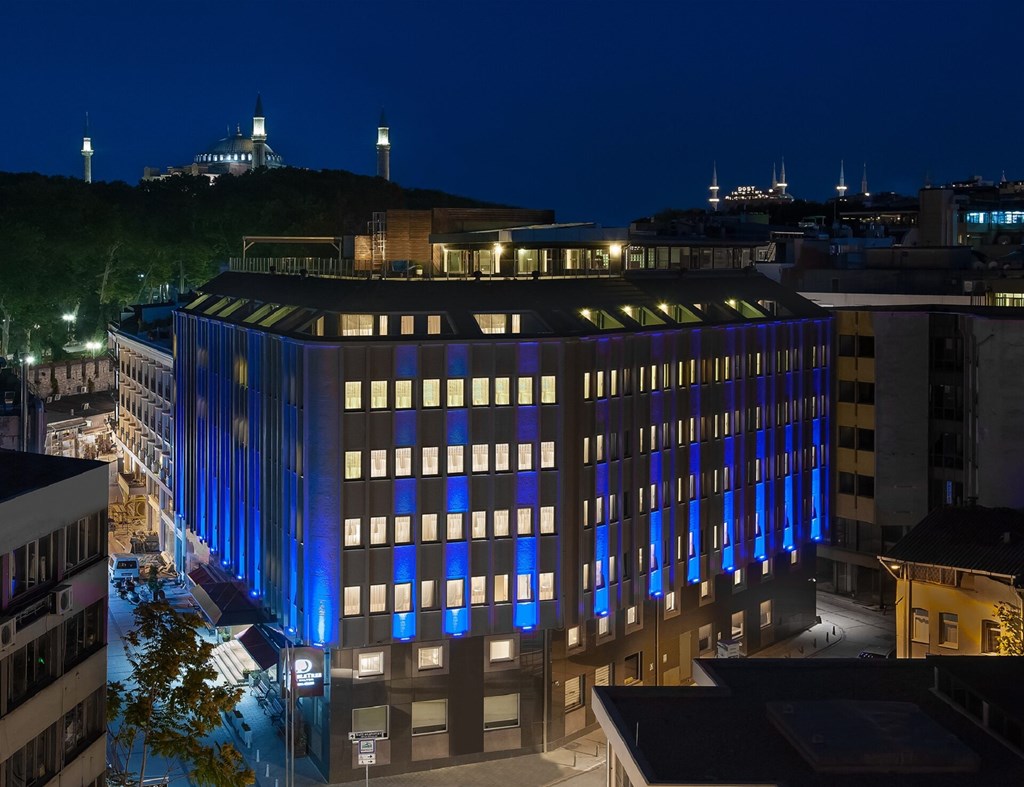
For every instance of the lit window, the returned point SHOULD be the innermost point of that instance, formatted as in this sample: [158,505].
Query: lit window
[574,692]
[430,460]
[478,590]
[456,393]
[670,601]
[546,588]
[501,390]
[524,587]
[428,527]
[524,522]
[492,323]
[454,596]
[431,393]
[572,637]
[586,385]
[705,588]
[501,650]
[353,465]
[454,529]
[434,323]
[430,657]
[603,627]
[547,455]
[631,615]
[352,600]
[352,533]
[429,716]
[547,389]
[353,395]
[766,613]
[480,463]
[525,390]
[378,530]
[403,462]
[379,394]
[481,391]
[501,523]
[501,712]
[766,568]
[501,457]
[357,325]
[371,664]
[408,324]
[547,519]
[737,575]
[500,588]
[525,456]
[382,325]
[949,635]
[427,591]
[614,387]
[403,529]
[479,524]
[378,463]
[794,557]
[455,459]
[378,599]
[403,394]
[403,597]
[599,448]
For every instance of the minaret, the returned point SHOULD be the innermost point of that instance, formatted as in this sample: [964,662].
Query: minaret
[864,182]
[841,188]
[1002,180]
[259,135]
[713,188]
[383,149]
[782,178]
[775,180]
[87,153]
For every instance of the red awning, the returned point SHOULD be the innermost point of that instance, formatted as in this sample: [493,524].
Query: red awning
[259,647]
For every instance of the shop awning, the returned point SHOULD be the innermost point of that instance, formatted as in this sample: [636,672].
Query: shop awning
[226,604]
[259,647]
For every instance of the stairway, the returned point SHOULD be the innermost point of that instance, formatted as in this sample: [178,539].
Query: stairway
[232,661]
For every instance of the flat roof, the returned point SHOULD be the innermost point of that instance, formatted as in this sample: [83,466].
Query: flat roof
[21,473]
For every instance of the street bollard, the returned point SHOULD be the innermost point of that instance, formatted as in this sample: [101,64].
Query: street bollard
[257,755]
[268,771]
[826,637]
[815,642]
[833,631]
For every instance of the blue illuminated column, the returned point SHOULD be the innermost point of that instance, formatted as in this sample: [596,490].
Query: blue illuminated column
[527,610]
[656,545]
[601,545]
[403,624]
[456,557]
[693,519]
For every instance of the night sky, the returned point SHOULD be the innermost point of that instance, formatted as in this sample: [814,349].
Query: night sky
[601,110]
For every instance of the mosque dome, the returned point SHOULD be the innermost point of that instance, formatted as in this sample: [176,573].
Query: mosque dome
[234,153]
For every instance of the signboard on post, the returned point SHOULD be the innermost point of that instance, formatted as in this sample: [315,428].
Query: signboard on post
[308,677]
[367,759]
[367,735]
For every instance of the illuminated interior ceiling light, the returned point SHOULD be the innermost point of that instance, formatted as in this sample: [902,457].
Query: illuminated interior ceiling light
[615,249]
[628,310]
[585,313]
[497,248]
[663,307]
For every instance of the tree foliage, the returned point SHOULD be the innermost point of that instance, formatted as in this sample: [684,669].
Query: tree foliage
[170,703]
[1011,629]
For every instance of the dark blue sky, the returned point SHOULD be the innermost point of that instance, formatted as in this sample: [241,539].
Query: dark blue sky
[601,110]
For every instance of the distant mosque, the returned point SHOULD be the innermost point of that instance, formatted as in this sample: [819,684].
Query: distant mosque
[752,196]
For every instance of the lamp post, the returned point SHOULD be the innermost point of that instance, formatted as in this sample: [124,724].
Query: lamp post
[26,362]
[69,318]
[93,346]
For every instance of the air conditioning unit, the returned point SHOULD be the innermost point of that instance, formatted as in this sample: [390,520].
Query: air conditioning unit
[7,632]
[62,600]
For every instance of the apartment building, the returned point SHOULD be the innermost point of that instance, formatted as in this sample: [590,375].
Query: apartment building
[53,618]
[478,499]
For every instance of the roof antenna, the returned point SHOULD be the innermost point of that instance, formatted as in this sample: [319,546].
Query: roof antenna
[636,735]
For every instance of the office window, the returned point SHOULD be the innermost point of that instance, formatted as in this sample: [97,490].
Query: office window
[631,615]
[456,393]
[501,457]
[524,522]
[433,323]
[403,597]
[455,593]
[428,527]
[574,693]
[500,588]
[378,530]
[525,390]
[546,588]
[547,455]
[353,395]
[737,575]
[501,390]
[920,628]
[586,385]
[428,589]
[371,719]
[547,389]
[766,613]
[501,650]
[670,601]
[525,456]
[378,463]
[352,600]
[403,529]
[737,625]
[353,465]
[378,599]
[949,635]
[572,637]
[586,450]
[603,629]
[353,533]
[378,394]
[614,383]
[479,524]
[524,587]
[586,576]
[408,324]
[599,448]
[766,567]
[501,712]
[431,393]
[478,590]
[481,391]
[430,657]
[403,462]
[547,520]
[370,664]
[480,459]
[455,459]
[501,523]
[403,394]
[429,716]
[794,557]
[357,325]
[455,527]
[705,588]
[429,460]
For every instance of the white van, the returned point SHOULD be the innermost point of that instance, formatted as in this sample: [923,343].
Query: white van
[122,565]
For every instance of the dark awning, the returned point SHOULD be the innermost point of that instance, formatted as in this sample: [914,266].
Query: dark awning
[225,604]
[259,647]
[201,575]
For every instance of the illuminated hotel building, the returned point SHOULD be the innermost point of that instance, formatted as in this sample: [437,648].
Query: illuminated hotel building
[483,498]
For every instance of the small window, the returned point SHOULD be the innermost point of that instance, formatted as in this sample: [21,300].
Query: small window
[766,613]
[429,460]
[378,394]
[572,637]
[574,693]
[455,529]
[428,590]
[546,590]
[456,459]
[403,529]
[501,650]
[547,389]
[434,323]
[353,395]
[500,588]
[403,597]
[430,657]
[378,530]
[429,716]
[524,587]
[353,602]
[431,393]
[631,615]
[524,522]
[501,455]
[370,664]
[670,601]
[455,595]
[501,523]
[525,456]
[403,462]
[428,527]
[525,390]
[547,455]
[547,520]
[353,530]
[501,711]
[949,635]
[479,524]
[378,599]
[456,393]
[604,627]
[501,390]
[378,463]
[403,394]
[371,719]
[478,591]
[353,465]
[480,458]
[481,391]
[990,634]
[408,324]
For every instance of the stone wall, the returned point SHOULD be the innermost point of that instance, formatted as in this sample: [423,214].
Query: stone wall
[72,377]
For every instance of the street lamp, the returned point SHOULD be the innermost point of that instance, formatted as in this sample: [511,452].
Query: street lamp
[69,318]
[93,346]
[26,361]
